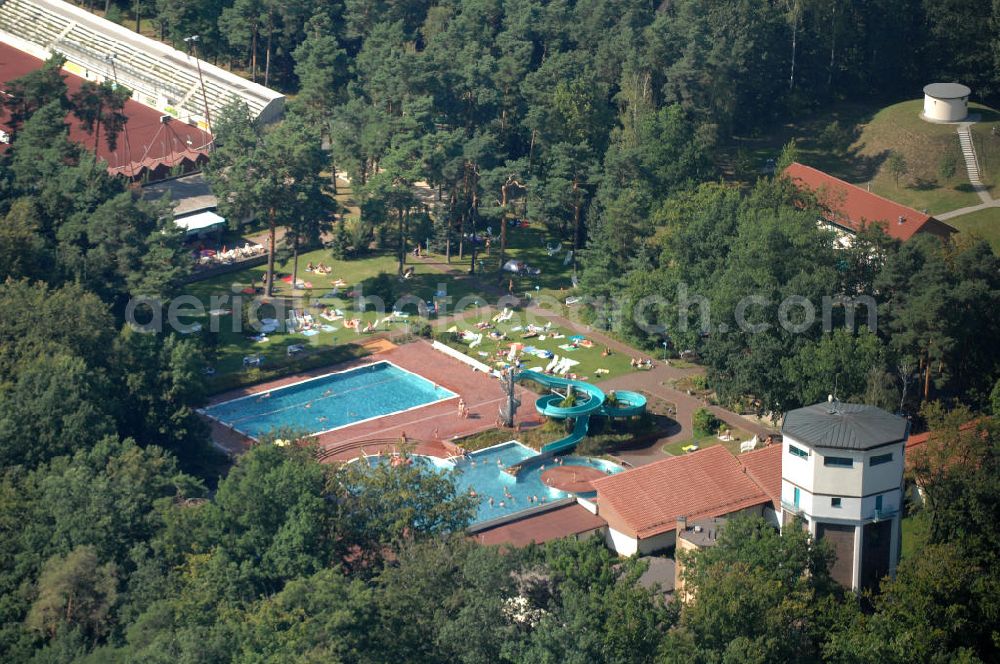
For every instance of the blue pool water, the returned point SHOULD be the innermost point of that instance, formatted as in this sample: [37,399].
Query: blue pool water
[330,401]
[481,473]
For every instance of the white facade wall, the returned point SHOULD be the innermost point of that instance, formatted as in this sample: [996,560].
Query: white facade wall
[945,110]
[859,488]
[812,475]
[620,543]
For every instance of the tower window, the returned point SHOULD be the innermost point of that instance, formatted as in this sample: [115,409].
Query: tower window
[842,462]
[878,460]
[798,451]
[835,502]
[878,503]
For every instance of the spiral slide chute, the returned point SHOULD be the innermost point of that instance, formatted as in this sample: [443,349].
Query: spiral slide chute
[591,400]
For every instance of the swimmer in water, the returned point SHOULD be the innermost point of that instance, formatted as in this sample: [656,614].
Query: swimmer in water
[491,501]
[328,393]
[501,504]
[308,404]
[321,418]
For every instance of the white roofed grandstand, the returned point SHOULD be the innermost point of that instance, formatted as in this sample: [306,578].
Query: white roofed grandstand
[159,76]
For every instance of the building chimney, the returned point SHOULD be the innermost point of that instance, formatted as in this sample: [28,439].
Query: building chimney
[902,219]
[682,524]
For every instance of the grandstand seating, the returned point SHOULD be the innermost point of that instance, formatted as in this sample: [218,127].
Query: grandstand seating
[158,75]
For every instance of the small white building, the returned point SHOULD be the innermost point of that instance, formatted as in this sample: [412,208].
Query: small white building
[946,102]
[842,472]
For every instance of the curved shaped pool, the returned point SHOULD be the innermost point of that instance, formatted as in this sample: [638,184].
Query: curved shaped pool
[482,472]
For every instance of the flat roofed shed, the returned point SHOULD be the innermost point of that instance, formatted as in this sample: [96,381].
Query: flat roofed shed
[947,90]
[845,426]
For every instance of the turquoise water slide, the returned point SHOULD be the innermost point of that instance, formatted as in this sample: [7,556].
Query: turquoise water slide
[626,404]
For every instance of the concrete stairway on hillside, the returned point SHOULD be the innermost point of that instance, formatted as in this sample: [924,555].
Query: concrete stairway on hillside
[969,153]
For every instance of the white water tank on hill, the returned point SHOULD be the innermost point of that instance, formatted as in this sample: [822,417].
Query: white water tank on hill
[946,102]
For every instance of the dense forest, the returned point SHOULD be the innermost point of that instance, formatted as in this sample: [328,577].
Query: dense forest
[119,540]
[605,121]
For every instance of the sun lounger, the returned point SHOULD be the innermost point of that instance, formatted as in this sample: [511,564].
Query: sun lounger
[294,349]
[504,316]
[552,364]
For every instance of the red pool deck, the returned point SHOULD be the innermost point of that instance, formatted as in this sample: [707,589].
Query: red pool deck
[573,479]
[434,423]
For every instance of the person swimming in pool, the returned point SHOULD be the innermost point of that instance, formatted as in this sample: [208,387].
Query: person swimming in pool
[328,393]
[308,404]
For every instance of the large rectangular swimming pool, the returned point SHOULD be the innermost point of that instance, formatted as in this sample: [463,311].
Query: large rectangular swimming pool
[329,402]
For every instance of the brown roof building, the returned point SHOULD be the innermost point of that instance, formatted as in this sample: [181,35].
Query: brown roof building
[849,208]
[642,505]
[570,520]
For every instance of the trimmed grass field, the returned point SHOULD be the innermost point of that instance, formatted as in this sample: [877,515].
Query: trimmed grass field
[233,342]
[986,136]
[739,435]
[555,340]
[985,224]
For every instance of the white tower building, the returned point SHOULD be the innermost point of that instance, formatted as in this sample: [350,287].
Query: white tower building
[842,472]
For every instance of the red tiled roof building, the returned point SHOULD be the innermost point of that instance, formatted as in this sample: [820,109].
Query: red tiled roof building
[849,208]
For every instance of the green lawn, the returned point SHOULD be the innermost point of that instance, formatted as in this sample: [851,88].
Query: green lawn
[232,345]
[985,224]
[986,136]
[431,276]
[739,435]
[493,352]
[530,245]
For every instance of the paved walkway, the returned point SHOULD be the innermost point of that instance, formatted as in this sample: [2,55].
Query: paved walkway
[944,216]
[655,383]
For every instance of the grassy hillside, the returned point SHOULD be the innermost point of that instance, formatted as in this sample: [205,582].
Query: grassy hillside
[985,224]
[854,141]
[926,147]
